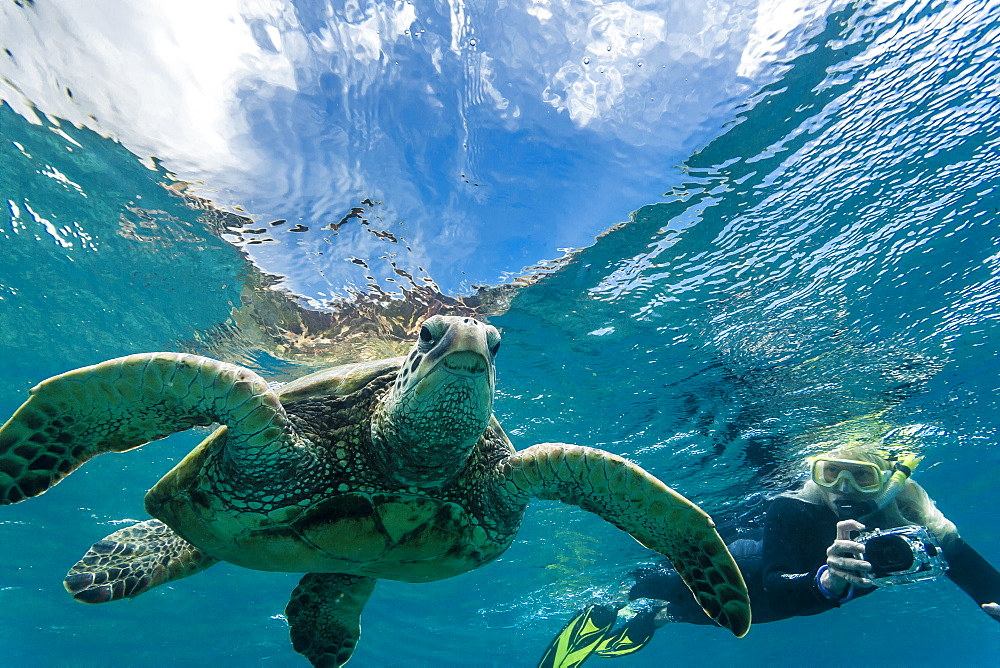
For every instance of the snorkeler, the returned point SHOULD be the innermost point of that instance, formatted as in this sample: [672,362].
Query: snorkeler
[811,557]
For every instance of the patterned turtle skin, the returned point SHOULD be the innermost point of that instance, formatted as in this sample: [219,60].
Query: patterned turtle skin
[394,469]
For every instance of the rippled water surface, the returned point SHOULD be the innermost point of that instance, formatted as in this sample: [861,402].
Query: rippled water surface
[714,236]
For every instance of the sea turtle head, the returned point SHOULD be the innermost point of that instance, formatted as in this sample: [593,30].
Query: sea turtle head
[441,402]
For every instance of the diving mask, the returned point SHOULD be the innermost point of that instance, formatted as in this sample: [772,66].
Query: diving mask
[864,477]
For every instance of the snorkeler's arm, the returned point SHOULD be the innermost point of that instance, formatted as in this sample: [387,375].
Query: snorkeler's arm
[976,576]
[796,537]
[966,567]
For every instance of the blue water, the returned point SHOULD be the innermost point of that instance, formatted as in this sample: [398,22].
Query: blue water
[828,251]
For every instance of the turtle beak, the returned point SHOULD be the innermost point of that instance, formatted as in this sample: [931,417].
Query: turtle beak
[465,363]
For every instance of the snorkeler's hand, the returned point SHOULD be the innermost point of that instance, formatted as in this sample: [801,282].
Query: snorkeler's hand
[844,565]
[992,609]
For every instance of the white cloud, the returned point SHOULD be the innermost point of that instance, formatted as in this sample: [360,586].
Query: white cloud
[163,76]
[781,25]
[626,67]
[160,76]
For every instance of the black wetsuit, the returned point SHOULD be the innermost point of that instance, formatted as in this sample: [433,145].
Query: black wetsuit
[780,568]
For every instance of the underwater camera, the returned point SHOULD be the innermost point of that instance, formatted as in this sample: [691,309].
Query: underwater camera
[902,555]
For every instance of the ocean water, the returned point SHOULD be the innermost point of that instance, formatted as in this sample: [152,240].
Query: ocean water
[757,263]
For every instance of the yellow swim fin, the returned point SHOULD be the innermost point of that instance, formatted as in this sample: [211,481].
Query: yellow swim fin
[579,638]
[632,637]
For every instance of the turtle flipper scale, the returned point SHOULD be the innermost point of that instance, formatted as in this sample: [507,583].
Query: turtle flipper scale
[639,504]
[127,402]
[133,560]
[324,616]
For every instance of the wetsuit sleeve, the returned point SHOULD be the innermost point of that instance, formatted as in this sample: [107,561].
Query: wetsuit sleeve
[796,536]
[966,567]
[970,571]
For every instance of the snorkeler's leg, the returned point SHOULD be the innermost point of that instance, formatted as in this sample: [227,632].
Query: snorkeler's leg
[658,597]
[635,633]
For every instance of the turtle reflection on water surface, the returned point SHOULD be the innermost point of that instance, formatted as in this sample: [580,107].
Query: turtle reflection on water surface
[393,469]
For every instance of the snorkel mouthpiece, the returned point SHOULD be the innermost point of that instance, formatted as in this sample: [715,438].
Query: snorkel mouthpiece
[850,509]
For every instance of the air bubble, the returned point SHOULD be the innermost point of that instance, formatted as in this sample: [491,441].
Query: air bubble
[586,61]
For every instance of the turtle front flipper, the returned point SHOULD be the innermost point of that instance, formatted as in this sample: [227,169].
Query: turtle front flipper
[324,616]
[133,560]
[639,504]
[127,402]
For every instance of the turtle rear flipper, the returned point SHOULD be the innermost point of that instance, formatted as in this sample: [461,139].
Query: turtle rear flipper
[133,560]
[127,402]
[324,616]
[639,504]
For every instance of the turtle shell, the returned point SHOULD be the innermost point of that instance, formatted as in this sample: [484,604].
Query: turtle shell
[339,380]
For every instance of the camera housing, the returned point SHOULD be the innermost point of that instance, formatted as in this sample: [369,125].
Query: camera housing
[902,555]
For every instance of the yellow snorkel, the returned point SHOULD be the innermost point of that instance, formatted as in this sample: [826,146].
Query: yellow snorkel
[902,469]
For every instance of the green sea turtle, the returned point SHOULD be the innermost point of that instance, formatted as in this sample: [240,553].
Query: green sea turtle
[394,469]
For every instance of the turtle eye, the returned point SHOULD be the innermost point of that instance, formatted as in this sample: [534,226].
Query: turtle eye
[425,334]
[493,340]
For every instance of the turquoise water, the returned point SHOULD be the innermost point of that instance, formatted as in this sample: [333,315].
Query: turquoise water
[830,253]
